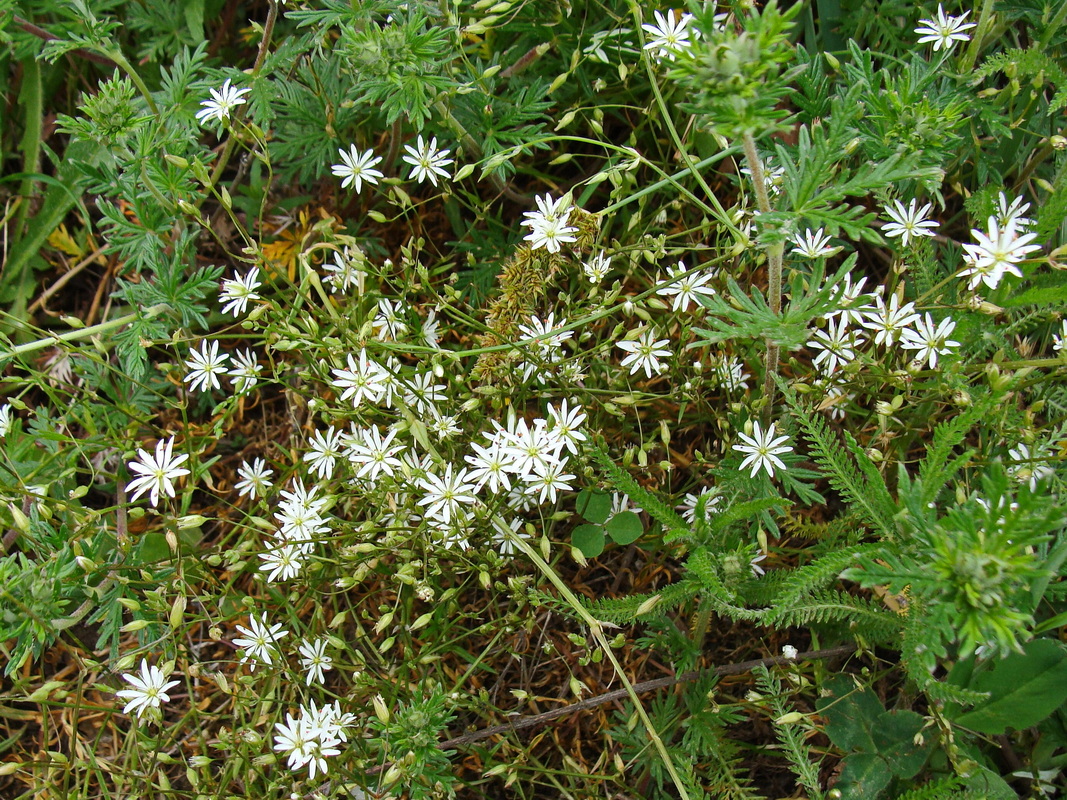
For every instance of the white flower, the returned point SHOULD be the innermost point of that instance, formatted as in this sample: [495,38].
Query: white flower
[549,478]
[255,478]
[790,652]
[223,100]
[547,347]
[346,272]
[324,452]
[645,353]
[549,228]
[300,518]
[1059,344]
[431,330]
[597,268]
[298,738]
[490,466]
[284,562]
[259,646]
[531,446]
[245,374]
[813,244]
[928,340]
[444,493]
[889,322]
[762,449]
[388,324]
[685,288]
[566,425]
[314,660]
[908,222]
[427,161]
[730,374]
[836,346]
[668,35]
[237,291]
[422,394]
[364,378]
[5,418]
[357,167]
[157,471]
[206,366]
[772,179]
[149,689]
[852,303]
[945,31]
[997,253]
[375,454]
[1029,467]
[711,500]
[1013,212]
[551,235]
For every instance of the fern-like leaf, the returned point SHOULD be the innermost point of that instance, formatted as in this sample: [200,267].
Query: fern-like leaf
[849,470]
[641,496]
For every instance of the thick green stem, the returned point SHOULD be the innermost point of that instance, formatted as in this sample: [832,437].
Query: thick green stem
[774,272]
[985,22]
[84,333]
[31,101]
[117,56]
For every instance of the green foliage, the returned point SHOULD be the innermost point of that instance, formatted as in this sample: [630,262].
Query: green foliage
[1022,689]
[735,81]
[881,745]
[408,737]
[850,471]
[792,738]
[917,510]
[971,567]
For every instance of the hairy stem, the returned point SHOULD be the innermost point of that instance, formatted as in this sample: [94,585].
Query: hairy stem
[774,273]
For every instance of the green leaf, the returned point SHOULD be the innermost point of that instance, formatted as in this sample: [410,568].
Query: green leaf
[894,736]
[194,18]
[589,539]
[594,505]
[1024,689]
[625,527]
[864,776]
[850,714]
[152,549]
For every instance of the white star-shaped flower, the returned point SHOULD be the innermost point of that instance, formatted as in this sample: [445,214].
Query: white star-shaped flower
[157,472]
[356,167]
[222,102]
[762,449]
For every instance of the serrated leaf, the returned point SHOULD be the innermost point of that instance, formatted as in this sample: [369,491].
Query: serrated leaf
[625,527]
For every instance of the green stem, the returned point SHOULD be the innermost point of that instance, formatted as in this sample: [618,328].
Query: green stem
[774,272]
[597,629]
[985,22]
[31,102]
[117,56]
[1053,25]
[720,213]
[84,333]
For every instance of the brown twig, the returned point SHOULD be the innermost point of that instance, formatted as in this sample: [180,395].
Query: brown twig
[41,33]
[646,686]
[64,279]
[536,720]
